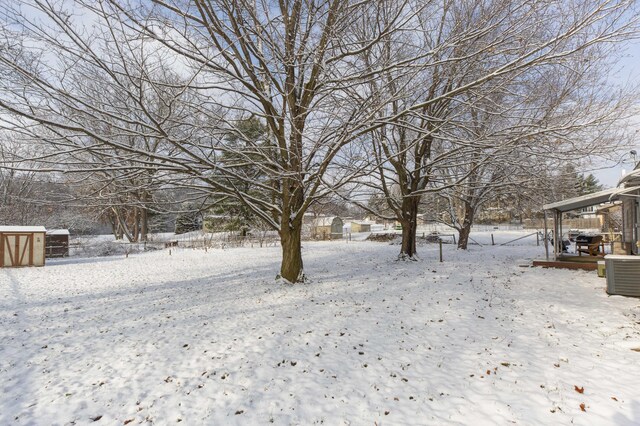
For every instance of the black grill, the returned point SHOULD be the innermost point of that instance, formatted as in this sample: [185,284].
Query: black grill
[585,239]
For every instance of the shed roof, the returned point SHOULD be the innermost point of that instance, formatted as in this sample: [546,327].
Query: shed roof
[324,221]
[25,229]
[582,201]
[58,232]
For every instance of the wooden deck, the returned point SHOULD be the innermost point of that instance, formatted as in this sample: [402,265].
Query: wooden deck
[586,263]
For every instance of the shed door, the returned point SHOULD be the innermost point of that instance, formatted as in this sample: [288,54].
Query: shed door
[17,249]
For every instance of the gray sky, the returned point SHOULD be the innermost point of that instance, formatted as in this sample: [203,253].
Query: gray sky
[630,72]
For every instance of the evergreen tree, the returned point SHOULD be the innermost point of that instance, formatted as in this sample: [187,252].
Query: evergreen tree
[587,185]
[246,145]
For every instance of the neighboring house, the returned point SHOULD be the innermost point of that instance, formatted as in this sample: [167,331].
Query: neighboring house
[327,228]
[308,218]
[589,212]
[360,227]
[494,215]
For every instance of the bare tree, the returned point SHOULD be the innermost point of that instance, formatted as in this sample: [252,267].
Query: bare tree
[290,64]
[486,60]
[29,197]
[318,74]
[522,137]
[19,190]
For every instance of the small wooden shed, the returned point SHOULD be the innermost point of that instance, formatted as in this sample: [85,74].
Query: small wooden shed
[329,227]
[57,243]
[22,246]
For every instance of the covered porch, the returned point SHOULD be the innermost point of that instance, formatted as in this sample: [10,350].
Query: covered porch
[587,246]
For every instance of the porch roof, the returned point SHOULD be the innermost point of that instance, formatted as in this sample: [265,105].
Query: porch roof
[582,201]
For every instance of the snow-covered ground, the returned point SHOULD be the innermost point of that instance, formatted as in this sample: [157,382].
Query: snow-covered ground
[211,338]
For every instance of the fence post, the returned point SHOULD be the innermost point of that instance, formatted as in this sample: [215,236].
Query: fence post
[492,242]
[440,243]
[537,238]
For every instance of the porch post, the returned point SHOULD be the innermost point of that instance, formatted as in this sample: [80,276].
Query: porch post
[546,241]
[560,243]
[555,234]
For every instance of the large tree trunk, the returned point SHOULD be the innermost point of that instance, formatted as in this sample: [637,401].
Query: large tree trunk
[135,219]
[291,233]
[114,225]
[465,229]
[144,224]
[409,228]
[463,237]
[291,268]
[123,226]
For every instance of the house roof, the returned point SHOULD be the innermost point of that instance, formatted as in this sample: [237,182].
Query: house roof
[626,191]
[632,175]
[25,229]
[582,201]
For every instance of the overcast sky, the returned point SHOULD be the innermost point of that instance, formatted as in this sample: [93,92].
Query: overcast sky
[630,72]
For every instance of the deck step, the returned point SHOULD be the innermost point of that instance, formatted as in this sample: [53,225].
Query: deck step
[592,266]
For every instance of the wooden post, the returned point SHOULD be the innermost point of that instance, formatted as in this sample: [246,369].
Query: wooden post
[440,243]
[554,235]
[560,242]
[546,241]
[537,239]
[492,242]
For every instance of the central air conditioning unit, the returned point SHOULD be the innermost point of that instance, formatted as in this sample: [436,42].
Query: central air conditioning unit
[623,275]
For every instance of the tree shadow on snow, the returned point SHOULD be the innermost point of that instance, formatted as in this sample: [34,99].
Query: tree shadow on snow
[16,391]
